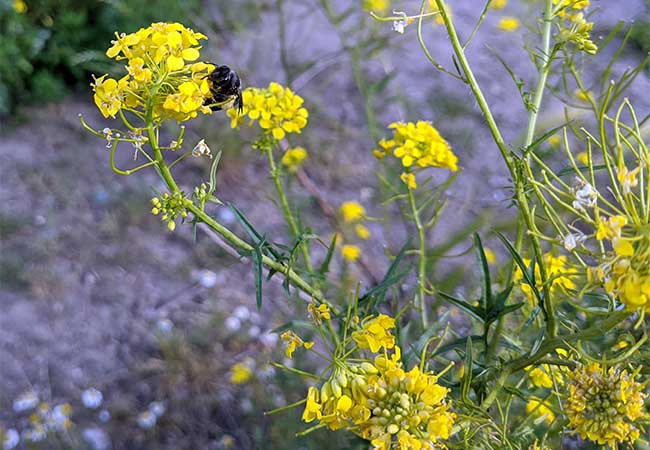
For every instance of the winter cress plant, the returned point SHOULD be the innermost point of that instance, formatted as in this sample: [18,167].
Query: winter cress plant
[553,347]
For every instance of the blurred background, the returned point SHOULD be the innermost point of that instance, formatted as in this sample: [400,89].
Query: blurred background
[115,333]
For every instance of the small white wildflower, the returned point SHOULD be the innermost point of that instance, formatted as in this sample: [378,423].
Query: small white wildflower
[269,339]
[206,278]
[36,434]
[572,240]
[59,418]
[92,398]
[399,25]
[146,420]
[232,324]
[201,149]
[104,416]
[242,313]
[165,326]
[12,439]
[96,438]
[254,331]
[157,408]
[25,402]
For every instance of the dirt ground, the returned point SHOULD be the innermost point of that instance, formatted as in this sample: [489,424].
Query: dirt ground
[88,275]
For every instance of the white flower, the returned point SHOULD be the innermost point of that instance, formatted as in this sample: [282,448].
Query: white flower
[25,401]
[572,240]
[232,324]
[269,339]
[146,420]
[586,195]
[96,438]
[92,398]
[206,278]
[157,408]
[165,326]
[242,313]
[104,416]
[399,25]
[35,434]
[12,438]
[254,331]
[201,149]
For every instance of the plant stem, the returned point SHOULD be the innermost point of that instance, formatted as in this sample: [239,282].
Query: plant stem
[286,210]
[422,259]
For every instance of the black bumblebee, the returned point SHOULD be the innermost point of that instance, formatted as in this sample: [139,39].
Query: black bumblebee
[225,90]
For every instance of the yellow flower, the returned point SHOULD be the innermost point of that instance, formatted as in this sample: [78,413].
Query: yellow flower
[320,312]
[499,4]
[362,231]
[375,333]
[540,376]
[351,252]
[19,6]
[508,24]
[378,6]
[610,228]
[583,158]
[420,145]
[409,180]
[108,96]
[557,270]
[240,373]
[603,405]
[554,140]
[293,158]
[276,109]
[541,409]
[583,96]
[312,407]
[293,342]
[352,211]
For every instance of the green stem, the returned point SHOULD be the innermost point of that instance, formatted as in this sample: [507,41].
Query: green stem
[422,259]
[286,210]
[505,153]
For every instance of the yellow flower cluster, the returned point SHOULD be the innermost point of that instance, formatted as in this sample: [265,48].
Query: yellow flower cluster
[576,29]
[276,109]
[603,405]
[375,333]
[384,404]
[160,74]
[541,409]
[508,24]
[293,158]
[417,145]
[319,313]
[626,273]
[557,270]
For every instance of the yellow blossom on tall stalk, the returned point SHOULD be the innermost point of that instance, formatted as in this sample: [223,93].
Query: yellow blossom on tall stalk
[161,75]
[352,211]
[276,109]
[240,373]
[417,145]
[350,252]
[604,405]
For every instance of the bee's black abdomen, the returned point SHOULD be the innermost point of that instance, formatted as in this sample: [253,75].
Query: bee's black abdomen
[225,85]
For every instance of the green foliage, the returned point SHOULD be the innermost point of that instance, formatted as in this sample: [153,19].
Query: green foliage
[54,45]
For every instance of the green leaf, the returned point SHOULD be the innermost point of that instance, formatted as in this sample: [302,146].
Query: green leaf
[257,267]
[213,173]
[544,137]
[486,283]
[528,274]
[325,266]
[390,278]
[476,311]
[466,382]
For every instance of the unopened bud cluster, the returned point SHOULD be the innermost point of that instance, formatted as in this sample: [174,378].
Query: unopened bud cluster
[170,207]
